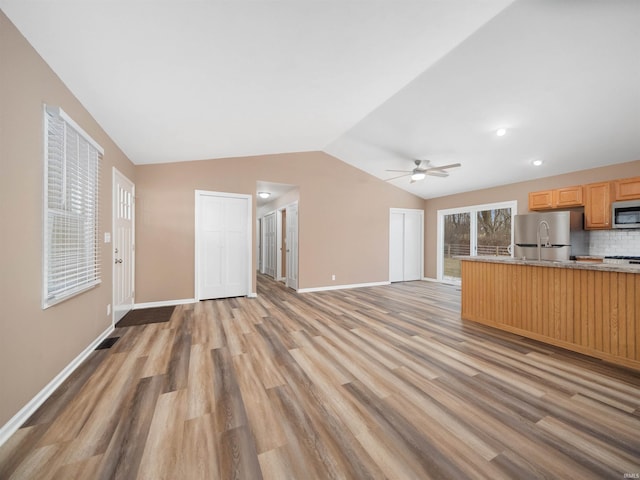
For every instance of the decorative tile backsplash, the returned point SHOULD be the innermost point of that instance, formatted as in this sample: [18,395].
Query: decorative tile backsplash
[614,242]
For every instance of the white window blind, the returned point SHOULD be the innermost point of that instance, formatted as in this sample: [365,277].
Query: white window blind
[71,187]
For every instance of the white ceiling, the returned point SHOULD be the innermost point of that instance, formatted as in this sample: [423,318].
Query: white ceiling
[562,76]
[375,83]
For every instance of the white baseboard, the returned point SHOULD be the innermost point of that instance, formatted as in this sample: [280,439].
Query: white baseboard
[341,287]
[171,303]
[163,303]
[29,409]
[443,282]
[429,279]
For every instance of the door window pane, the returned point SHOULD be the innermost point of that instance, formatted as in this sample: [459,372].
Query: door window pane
[457,241]
[475,230]
[494,231]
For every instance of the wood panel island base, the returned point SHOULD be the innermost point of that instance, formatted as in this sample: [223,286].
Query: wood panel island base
[588,308]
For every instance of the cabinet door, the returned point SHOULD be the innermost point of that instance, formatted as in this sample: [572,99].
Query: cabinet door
[597,209]
[541,200]
[627,189]
[568,197]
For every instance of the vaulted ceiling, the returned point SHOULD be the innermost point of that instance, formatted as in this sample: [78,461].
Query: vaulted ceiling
[374,83]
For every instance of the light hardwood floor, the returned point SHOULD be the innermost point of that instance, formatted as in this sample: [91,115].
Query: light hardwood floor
[381,382]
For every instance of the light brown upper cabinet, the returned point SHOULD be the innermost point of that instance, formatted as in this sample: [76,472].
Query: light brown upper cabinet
[597,208]
[559,198]
[627,189]
[541,200]
[568,197]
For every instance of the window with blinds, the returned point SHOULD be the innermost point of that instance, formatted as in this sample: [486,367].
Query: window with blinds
[71,187]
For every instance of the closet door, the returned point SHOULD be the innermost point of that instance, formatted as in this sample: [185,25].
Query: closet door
[412,266]
[396,247]
[223,245]
[406,244]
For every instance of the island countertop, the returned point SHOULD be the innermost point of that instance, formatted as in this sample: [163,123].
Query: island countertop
[603,267]
[591,308]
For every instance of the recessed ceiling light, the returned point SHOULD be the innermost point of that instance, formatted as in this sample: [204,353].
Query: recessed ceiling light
[501,131]
[264,194]
[537,163]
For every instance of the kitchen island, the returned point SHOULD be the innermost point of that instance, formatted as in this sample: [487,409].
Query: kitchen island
[591,308]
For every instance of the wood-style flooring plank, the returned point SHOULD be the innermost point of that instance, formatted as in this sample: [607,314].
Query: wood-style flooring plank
[377,382]
[163,448]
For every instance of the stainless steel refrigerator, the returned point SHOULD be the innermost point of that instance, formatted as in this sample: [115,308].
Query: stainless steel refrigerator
[555,236]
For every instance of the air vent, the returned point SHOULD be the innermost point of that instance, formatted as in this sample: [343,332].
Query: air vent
[107,343]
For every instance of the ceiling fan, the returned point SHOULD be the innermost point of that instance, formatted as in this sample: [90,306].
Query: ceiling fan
[422,169]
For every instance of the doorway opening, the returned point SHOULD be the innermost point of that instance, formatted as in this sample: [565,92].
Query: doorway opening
[277,217]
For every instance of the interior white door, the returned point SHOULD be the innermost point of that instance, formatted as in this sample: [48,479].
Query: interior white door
[412,246]
[223,245]
[278,249]
[259,245]
[292,245]
[396,247]
[406,244]
[270,227]
[123,245]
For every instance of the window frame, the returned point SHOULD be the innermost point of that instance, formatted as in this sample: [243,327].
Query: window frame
[473,210]
[50,214]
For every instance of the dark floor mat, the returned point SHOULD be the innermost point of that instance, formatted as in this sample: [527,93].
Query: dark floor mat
[145,316]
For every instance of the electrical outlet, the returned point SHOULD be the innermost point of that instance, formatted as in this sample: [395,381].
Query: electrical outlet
[109,309]
[333,277]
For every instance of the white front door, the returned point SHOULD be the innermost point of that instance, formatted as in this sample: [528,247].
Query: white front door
[123,245]
[223,245]
[292,246]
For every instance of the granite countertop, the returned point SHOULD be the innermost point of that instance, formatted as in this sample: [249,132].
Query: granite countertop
[605,267]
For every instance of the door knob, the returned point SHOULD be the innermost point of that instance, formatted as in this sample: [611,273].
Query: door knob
[118,260]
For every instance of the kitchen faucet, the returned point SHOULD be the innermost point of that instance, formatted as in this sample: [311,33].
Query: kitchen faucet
[546,242]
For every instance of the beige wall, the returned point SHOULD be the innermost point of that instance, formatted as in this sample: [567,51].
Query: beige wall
[36,344]
[343,218]
[514,191]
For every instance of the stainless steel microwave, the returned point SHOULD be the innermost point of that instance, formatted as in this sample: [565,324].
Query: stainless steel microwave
[626,214]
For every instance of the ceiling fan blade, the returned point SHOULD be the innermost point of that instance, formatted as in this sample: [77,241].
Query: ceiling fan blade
[404,171]
[442,167]
[399,176]
[437,173]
